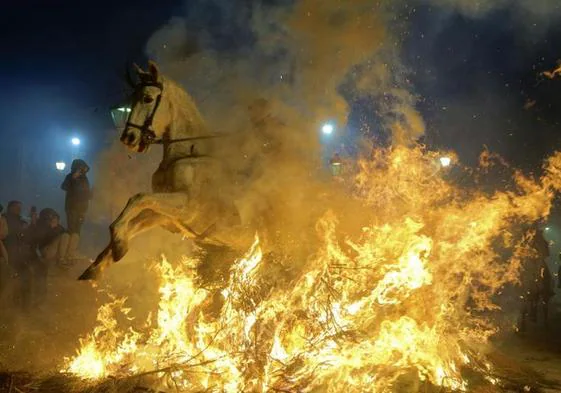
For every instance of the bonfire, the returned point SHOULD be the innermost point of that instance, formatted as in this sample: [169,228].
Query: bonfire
[406,303]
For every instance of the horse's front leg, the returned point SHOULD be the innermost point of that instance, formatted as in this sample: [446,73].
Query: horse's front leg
[171,206]
[144,221]
[148,219]
[103,260]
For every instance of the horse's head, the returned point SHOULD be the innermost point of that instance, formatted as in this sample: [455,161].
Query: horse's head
[146,122]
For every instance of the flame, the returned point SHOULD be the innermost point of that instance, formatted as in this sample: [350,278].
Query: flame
[404,298]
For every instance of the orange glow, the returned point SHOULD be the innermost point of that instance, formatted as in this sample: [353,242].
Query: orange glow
[366,311]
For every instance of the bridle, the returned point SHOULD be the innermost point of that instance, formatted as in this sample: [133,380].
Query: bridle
[147,135]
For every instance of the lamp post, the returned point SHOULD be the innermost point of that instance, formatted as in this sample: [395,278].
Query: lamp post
[120,115]
[327,129]
[336,165]
[445,161]
[76,143]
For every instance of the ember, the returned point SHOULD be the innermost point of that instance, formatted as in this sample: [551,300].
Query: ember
[404,298]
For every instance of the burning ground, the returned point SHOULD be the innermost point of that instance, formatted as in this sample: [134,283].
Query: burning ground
[409,298]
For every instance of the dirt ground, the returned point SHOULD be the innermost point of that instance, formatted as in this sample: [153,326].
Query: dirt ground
[36,341]
[540,347]
[39,340]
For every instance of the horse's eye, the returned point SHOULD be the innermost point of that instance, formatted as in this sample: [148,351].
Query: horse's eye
[147,99]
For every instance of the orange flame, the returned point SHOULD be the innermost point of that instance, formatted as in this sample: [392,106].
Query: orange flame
[403,298]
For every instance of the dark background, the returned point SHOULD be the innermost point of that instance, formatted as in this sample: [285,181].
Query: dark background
[62,64]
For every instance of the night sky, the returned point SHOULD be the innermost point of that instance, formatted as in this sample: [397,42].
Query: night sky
[62,64]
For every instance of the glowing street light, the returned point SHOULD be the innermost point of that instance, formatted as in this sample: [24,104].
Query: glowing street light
[445,161]
[75,141]
[336,164]
[327,128]
[60,165]
[120,115]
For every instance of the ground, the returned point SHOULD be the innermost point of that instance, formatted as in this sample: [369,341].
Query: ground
[35,341]
[539,348]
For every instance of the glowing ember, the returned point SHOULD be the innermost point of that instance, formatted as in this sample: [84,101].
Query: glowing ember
[388,304]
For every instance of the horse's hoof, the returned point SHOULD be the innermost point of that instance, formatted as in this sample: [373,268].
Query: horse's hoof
[119,249]
[92,273]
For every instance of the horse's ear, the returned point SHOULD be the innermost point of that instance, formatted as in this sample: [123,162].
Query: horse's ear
[153,70]
[137,69]
[129,77]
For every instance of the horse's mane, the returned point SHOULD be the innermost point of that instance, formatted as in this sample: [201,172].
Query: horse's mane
[186,115]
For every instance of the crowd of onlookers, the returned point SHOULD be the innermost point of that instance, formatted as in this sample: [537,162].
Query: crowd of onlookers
[30,247]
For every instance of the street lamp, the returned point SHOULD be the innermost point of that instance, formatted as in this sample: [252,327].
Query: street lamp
[120,115]
[445,161]
[327,128]
[336,164]
[60,166]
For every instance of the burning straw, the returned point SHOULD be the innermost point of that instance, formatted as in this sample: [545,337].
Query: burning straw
[409,297]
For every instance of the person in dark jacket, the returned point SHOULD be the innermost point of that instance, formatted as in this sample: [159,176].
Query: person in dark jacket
[19,246]
[537,281]
[78,195]
[559,274]
[4,260]
[3,234]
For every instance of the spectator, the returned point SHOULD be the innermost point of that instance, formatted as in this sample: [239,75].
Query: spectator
[559,274]
[537,281]
[3,234]
[51,238]
[21,257]
[4,268]
[78,195]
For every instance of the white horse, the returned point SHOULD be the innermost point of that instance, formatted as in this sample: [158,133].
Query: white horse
[186,197]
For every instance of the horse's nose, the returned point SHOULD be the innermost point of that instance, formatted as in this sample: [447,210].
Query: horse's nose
[128,137]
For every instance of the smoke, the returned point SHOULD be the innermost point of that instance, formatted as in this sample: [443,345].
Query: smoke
[120,176]
[299,56]
[543,9]
[308,60]
[528,20]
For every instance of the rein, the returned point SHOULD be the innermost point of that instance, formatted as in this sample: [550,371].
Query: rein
[192,138]
[147,135]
